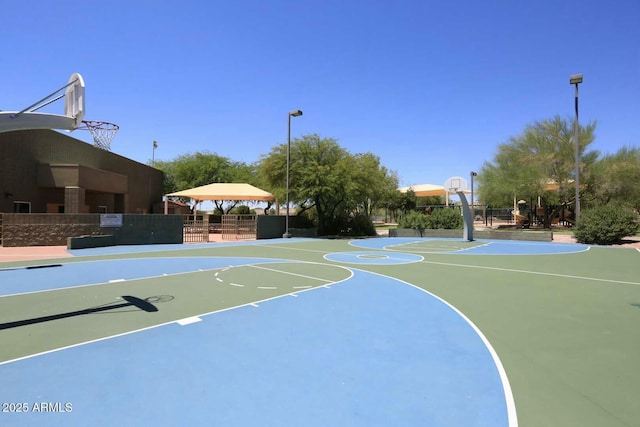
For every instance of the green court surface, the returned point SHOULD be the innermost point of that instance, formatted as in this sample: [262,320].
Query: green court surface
[564,320]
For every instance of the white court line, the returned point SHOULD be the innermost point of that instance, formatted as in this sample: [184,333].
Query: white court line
[107,282]
[159,325]
[267,287]
[294,249]
[427,248]
[291,274]
[390,257]
[188,321]
[473,247]
[117,280]
[512,416]
[540,273]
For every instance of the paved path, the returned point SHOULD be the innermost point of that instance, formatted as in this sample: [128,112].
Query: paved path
[47,252]
[27,253]
[33,252]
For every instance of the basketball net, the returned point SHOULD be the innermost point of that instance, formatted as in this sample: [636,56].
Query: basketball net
[102,132]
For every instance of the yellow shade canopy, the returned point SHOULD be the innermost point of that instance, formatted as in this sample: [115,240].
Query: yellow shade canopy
[427,190]
[225,191]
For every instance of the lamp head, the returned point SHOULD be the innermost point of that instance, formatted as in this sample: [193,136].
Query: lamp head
[295,113]
[575,79]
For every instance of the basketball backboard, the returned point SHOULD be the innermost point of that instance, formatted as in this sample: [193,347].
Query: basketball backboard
[454,184]
[30,118]
[74,98]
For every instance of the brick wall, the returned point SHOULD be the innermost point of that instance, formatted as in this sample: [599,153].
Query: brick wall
[54,229]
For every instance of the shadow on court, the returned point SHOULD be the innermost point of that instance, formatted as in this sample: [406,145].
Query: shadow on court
[130,301]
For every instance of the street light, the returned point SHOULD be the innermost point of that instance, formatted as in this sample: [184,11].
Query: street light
[472,202]
[294,113]
[153,153]
[576,79]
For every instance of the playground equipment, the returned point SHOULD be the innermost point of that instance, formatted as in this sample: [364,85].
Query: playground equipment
[525,217]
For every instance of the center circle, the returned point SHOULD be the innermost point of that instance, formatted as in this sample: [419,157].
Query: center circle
[373,258]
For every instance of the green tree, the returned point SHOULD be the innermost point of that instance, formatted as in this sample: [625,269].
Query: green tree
[527,165]
[393,203]
[430,201]
[408,201]
[326,181]
[373,183]
[616,178]
[321,172]
[193,170]
[203,168]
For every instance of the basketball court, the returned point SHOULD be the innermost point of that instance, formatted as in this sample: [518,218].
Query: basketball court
[382,331]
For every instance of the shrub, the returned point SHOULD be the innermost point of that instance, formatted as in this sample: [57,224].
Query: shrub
[360,225]
[605,225]
[415,220]
[349,225]
[439,218]
[303,221]
[446,218]
[242,210]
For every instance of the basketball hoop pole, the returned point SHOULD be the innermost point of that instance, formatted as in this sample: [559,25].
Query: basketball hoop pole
[458,185]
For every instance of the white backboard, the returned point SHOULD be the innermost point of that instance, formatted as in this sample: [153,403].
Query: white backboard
[454,184]
[74,98]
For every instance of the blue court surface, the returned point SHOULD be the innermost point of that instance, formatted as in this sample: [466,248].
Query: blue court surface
[295,332]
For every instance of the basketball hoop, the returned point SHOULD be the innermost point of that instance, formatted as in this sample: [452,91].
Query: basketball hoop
[102,132]
[455,184]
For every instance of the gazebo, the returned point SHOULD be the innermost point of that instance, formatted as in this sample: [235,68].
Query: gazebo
[425,190]
[428,190]
[223,191]
[238,226]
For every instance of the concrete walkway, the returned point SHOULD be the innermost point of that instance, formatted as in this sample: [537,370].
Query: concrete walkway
[27,253]
[33,252]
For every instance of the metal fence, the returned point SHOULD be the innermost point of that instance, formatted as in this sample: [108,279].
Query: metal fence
[239,227]
[496,216]
[195,229]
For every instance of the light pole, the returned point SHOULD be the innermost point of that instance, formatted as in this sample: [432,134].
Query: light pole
[576,79]
[294,113]
[473,174]
[153,153]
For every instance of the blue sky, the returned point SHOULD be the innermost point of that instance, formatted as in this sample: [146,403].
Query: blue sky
[431,87]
